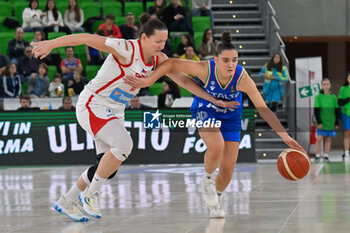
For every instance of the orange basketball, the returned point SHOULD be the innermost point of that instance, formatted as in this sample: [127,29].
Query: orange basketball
[293,164]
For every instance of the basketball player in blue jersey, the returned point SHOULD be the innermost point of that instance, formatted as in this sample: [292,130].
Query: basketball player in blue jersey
[224,79]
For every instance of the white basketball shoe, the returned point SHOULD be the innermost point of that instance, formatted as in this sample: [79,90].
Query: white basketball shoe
[72,209]
[218,210]
[90,203]
[209,194]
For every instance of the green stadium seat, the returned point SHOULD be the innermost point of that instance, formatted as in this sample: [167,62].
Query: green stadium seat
[51,72]
[184,92]
[24,87]
[200,23]
[5,38]
[18,8]
[198,38]
[155,89]
[114,8]
[96,24]
[54,35]
[120,20]
[91,9]
[61,7]
[149,4]
[28,36]
[42,4]
[91,71]
[135,7]
[6,8]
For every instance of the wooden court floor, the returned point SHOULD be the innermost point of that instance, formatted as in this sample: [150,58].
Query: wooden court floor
[167,199]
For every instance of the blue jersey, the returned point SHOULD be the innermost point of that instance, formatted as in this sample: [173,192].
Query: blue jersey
[230,118]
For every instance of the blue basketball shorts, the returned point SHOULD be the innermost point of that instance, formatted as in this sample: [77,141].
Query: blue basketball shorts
[326,133]
[345,121]
[230,128]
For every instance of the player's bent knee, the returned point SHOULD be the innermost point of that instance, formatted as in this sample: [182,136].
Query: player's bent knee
[123,150]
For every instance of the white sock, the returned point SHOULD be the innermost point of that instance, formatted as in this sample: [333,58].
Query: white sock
[73,194]
[325,156]
[96,183]
[347,153]
[318,156]
[208,176]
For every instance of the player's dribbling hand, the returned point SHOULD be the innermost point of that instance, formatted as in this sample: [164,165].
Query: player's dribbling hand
[137,82]
[41,49]
[293,144]
[227,104]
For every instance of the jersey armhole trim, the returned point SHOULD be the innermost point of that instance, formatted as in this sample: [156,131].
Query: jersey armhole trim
[239,79]
[132,57]
[208,76]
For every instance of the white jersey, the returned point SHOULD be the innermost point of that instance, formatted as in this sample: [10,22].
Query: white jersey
[109,83]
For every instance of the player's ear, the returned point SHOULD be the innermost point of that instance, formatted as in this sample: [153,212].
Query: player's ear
[143,36]
[215,59]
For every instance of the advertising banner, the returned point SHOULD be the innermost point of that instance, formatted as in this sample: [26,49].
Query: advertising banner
[53,138]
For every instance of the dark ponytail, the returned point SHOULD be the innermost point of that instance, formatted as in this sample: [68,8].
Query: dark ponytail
[149,25]
[226,43]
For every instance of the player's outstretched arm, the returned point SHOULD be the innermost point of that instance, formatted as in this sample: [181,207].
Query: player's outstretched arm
[167,66]
[248,86]
[43,48]
[192,86]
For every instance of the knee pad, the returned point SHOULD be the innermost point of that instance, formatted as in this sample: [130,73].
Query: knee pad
[111,176]
[122,150]
[91,172]
[99,156]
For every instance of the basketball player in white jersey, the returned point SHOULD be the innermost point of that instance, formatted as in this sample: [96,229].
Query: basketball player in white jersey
[100,108]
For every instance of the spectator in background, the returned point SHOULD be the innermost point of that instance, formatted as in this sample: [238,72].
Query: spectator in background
[53,58]
[31,17]
[344,103]
[202,8]
[39,83]
[52,19]
[4,61]
[175,18]
[11,82]
[157,9]
[136,104]
[16,46]
[94,56]
[70,64]
[56,88]
[129,30]
[326,113]
[274,73]
[190,54]
[77,84]
[25,103]
[185,41]
[74,17]
[111,30]
[170,92]
[28,64]
[67,104]
[168,48]
[39,36]
[207,47]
